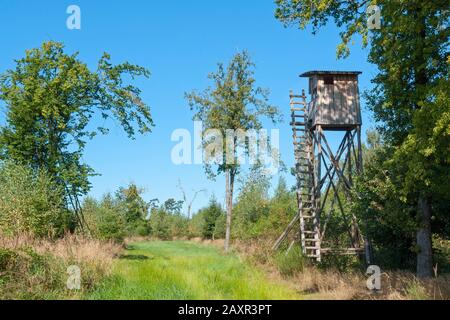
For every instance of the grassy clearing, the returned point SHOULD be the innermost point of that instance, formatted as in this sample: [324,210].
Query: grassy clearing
[185,270]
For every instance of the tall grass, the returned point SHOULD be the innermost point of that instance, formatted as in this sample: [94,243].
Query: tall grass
[186,270]
[319,282]
[37,269]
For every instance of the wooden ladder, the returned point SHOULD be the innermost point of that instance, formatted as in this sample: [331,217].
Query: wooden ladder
[304,164]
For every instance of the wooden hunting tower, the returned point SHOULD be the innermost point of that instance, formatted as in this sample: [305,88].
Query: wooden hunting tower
[325,176]
[334,99]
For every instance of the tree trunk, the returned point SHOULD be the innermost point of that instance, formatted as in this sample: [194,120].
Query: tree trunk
[229,204]
[424,244]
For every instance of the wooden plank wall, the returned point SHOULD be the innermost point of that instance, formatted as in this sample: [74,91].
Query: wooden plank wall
[337,104]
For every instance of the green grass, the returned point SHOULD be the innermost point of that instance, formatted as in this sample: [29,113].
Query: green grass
[184,270]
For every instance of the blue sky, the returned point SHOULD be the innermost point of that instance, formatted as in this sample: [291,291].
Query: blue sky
[180,41]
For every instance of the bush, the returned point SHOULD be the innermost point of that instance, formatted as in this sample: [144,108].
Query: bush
[220,227]
[104,220]
[160,224]
[211,215]
[118,216]
[257,215]
[291,263]
[110,225]
[142,229]
[30,202]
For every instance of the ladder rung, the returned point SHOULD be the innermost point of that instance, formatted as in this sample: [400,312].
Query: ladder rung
[298,109]
[312,248]
[297,123]
[297,96]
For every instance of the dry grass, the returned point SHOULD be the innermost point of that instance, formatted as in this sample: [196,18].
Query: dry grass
[37,269]
[329,284]
[320,284]
[71,248]
[398,285]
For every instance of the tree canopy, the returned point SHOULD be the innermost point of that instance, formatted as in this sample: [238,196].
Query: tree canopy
[51,98]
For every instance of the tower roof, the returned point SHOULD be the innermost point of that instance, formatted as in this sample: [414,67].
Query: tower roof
[328,73]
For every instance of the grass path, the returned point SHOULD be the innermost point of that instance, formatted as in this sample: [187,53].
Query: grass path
[185,270]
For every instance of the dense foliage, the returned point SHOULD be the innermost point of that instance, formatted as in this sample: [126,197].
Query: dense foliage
[31,203]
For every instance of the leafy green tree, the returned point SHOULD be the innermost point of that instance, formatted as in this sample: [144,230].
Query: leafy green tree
[173,206]
[233,103]
[51,97]
[135,208]
[210,216]
[410,99]
[389,221]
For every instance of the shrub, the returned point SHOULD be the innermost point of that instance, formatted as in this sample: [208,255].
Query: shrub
[416,291]
[110,225]
[220,227]
[291,263]
[104,220]
[30,202]
[210,217]
[160,224]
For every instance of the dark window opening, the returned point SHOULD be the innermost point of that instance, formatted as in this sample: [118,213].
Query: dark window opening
[328,80]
